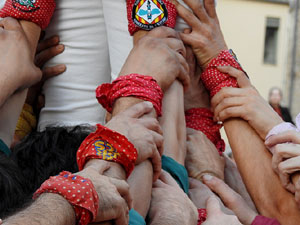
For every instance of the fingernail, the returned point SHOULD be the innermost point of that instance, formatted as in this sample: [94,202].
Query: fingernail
[59,47]
[149,104]
[207,177]
[61,68]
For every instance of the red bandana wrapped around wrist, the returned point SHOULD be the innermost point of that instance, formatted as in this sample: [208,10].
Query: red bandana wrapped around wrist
[149,14]
[213,79]
[39,12]
[201,119]
[133,85]
[107,145]
[202,216]
[78,191]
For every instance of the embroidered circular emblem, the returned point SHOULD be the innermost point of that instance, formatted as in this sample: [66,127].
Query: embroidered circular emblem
[148,14]
[26,6]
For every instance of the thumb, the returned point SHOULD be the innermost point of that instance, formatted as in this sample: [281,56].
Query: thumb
[240,76]
[213,207]
[138,110]
[99,166]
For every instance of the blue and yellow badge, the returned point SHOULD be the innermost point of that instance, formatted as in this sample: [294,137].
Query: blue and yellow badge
[148,14]
[25,5]
[105,150]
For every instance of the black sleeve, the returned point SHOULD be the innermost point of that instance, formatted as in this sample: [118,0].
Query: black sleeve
[286,115]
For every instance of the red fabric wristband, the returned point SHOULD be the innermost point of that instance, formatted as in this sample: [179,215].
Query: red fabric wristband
[202,216]
[213,79]
[135,85]
[261,220]
[201,119]
[78,191]
[107,145]
[39,12]
[148,14]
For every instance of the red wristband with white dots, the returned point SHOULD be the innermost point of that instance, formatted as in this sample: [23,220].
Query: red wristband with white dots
[78,191]
[213,79]
[39,12]
[201,119]
[132,85]
[107,145]
[202,215]
[149,14]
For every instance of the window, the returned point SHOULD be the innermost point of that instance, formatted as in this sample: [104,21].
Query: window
[271,39]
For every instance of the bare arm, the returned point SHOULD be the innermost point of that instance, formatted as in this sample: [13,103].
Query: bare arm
[50,209]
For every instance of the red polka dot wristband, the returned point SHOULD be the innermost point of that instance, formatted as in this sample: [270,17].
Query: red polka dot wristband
[202,216]
[39,12]
[148,14]
[78,191]
[107,145]
[213,79]
[201,119]
[134,85]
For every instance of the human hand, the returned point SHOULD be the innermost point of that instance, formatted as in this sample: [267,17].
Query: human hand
[159,54]
[143,132]
[285,161]
[114,197]
[16,58]
[166,195]
[202,156]
[196,95]
[244,102]
[199,193]
[205,35]
[215,216]
[231,199]
[46,50]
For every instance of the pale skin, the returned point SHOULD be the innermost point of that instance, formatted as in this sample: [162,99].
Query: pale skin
[205,31]
[22,38]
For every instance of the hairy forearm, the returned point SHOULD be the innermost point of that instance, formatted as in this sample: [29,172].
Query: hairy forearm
[50,209]
[254,163]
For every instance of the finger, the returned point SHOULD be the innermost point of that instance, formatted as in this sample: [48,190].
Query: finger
[188,16]
[156,162]
[123,217]
[226,92]
[168,179]
[187,30]
[151,124]
[158,139]
[284,151]
[176,45]
[9,23]
[48,43]
[232,112]
[286,168]
[97,165]
[213,207]
[49,72]
[228,103]
[289,136]
[159,184]
[241,77]
[164,32]
[198,9]
[123,188]
[195,184]
[210,8]
[183,76]
[297,192]
[138,110]
[46,55]
[227,195]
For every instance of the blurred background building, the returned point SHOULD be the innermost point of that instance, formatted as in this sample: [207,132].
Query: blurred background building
[259,32]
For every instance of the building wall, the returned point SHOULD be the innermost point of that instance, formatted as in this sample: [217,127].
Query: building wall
[243,23]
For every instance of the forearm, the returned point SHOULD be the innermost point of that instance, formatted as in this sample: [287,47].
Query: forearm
[50,209]
[254,163]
